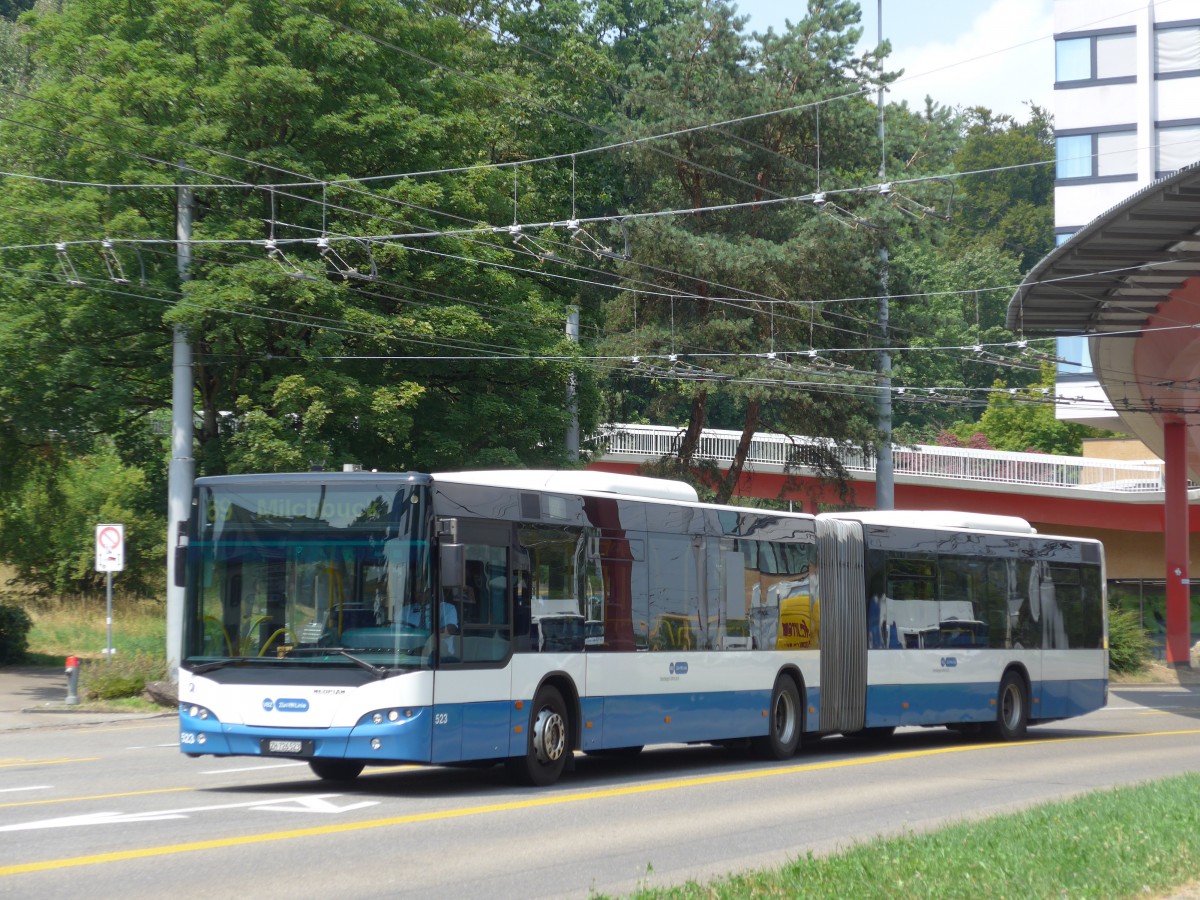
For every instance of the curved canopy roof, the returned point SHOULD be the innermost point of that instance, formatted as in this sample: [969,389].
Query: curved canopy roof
[1131,280]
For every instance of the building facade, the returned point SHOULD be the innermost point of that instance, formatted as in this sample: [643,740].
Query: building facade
[1126,112]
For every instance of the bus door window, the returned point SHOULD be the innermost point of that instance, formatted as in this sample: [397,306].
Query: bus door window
[727,576]
[962,598]
[799,598]
[911,615]
[1024,605]
[680,620]
[991,601]
[475,622]
[622,581]
[558,563]
[781,600]
[589,587]
[1061,607]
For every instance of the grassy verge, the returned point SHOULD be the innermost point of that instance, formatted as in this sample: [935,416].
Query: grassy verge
[1133,841]
[77,628]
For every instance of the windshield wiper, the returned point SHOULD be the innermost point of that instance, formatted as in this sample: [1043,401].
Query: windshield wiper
[377,671]
[218,664]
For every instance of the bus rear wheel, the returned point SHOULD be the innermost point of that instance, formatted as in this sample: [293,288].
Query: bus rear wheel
[335,769]
[548,742]
[784,722]
[1012,710]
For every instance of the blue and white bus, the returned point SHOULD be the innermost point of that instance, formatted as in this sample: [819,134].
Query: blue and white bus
[358,618]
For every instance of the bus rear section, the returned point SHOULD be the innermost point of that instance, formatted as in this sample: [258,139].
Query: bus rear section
[977,627]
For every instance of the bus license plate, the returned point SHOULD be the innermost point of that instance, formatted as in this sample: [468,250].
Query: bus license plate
[290,748]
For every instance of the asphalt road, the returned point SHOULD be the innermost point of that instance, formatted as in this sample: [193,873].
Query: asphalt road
[113,810]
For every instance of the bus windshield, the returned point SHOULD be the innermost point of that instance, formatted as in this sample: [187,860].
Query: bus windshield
[315,573]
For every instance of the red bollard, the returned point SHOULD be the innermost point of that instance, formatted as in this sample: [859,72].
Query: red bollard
[72,681]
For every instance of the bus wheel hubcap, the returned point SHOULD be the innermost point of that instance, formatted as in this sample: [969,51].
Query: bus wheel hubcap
[549,736]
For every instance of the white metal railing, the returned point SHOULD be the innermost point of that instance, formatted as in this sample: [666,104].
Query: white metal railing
[777,451]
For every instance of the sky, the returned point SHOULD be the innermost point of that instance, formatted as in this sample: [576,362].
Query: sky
[993,53]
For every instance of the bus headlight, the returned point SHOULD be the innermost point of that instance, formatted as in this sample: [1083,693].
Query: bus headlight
[386,716]
[196,712]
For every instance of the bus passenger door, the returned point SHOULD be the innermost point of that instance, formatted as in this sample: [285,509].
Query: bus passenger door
[472,685]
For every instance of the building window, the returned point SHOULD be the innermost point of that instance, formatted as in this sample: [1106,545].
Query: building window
[1061,236]
[1108,155]
[1074,356]
[1108,57]
[1075,156]
[1178,145]
[1073,59]
[1177,51]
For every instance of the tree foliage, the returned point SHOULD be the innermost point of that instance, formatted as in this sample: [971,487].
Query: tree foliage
[1024,420]
[47,524]
[749,279]
[356,292]
[294,365]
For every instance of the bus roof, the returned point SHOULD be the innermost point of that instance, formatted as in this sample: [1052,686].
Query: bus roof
[937,518]
[576,482]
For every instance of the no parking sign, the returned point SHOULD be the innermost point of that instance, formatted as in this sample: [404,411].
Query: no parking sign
[110,548]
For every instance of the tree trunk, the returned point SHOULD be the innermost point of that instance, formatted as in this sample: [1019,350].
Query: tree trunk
[691,437]
[749,427]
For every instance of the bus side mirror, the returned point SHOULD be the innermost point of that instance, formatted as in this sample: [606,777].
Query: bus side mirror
[453,559]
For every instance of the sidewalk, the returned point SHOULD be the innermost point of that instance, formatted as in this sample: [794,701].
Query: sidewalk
[36,697]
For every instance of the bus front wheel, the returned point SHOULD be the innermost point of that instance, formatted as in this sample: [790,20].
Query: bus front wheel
[547,744]
[783,721]
[1012,709]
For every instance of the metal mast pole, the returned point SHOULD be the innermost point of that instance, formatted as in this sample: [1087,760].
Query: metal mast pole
[182,466]
[885,494]
[572,400]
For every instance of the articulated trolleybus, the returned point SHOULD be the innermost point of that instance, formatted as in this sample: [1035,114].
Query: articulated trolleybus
[352,618]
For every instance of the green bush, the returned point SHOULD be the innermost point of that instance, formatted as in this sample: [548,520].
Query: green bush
[14,633]
[123,677]
[1128,643]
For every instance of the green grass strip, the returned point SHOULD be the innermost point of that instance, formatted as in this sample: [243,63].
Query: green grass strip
[1142,840]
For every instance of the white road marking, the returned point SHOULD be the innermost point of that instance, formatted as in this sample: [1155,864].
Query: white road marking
[317,803]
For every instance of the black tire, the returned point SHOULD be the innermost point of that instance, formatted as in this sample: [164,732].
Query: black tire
[784,722]
[547,743]
[336,769]
[1012,709]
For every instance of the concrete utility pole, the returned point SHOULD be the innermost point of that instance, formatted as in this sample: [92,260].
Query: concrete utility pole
[182,467]
[572,400]
[885,493]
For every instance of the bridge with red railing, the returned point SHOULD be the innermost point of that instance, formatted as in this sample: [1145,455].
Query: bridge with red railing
[1058,490]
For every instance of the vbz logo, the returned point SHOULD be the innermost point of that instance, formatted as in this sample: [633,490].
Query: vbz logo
[949,662]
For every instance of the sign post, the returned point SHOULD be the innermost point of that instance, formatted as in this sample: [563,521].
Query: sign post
[110,557]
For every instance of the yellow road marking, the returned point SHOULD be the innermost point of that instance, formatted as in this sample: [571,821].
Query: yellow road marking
[13,763]
[536,802]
